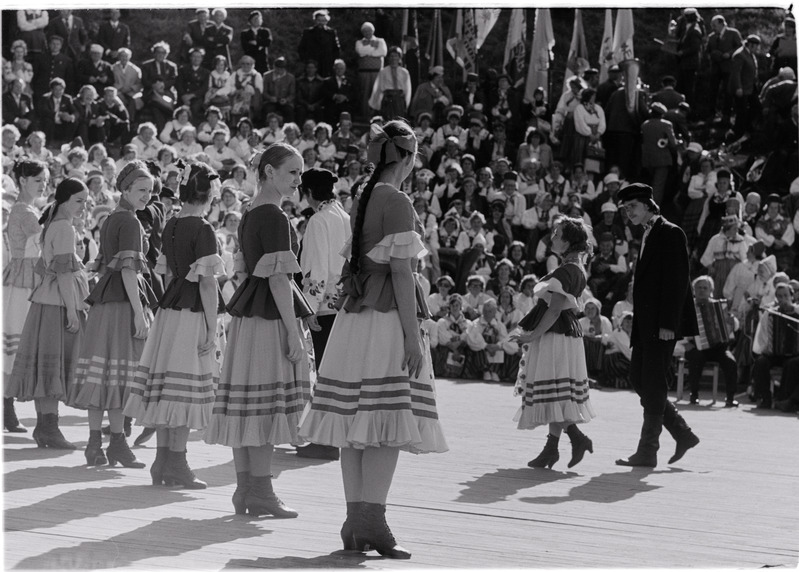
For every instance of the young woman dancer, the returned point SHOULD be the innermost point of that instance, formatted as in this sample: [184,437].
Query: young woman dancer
[266,374]
[173,390]
[45,363]
[553,380]
[23,231]
[118,321]
[375,392]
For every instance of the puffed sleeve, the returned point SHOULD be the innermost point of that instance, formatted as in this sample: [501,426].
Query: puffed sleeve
[400,239]
[564,280]
[208,261]
[131,249]
[278,258]
[62,236]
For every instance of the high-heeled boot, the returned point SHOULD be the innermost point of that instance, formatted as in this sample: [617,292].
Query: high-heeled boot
[548,456]
[119,452]
[126,427]
[94,449]
[354,510]
[159,463]
[49,435]
[240,494]
[10,420]
[373,533]
[37,430]
[178,472]
[580,444]
[261,499]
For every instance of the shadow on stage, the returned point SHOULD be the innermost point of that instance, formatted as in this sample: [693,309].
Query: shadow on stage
[608,487]
[128,548]
[498,485]
[338,559]
[31,477]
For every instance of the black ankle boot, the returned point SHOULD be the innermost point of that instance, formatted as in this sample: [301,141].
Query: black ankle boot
[49,435]
[94,449]
[178,472]
[580,444]
[261,499]
[127,426]
[549,456]
[240,494]
[157,468]
[37,430]
[10,421]
[678,428]
[373,532]
[648,444]
[350,525]
[119,452]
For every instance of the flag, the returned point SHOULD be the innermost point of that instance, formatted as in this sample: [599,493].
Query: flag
[485,19]
[606,50]
[515,51]
[623,38]
[435,43]
[462,45]
[540,54]
[577,61]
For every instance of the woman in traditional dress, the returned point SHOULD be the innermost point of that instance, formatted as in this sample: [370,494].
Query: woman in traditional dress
[173,390]
[118,321]
[19,279]
[375,393]
[391,94]
[266,374]
[553,380]
[44,366]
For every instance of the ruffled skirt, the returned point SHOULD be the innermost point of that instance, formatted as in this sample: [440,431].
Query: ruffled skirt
[108,360]
[47,356]
[364,398]
[553,382]
[174,384]
[261,394]
[15,310]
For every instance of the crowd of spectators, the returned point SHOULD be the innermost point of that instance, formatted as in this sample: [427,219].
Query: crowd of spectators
[493,172]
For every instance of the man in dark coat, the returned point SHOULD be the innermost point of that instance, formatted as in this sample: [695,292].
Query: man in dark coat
[320,43]
[51,65]
[310,98]
[73,31]
[57,113]
[255,41]
[744,84]
[689,54]
[338,93]
[192,83]
[159,67]
[94,70]
[194,35]
[664,312]
[18,107]
[217,38]
[113,35]
[721,45]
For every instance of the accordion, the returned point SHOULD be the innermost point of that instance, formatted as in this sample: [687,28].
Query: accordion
[714,324]
[782,334]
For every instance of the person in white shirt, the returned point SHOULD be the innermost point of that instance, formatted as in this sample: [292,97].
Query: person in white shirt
[220,156]
[487,339]
[616,365]
[146,142]
[371,50]
[187,145]
[451,330]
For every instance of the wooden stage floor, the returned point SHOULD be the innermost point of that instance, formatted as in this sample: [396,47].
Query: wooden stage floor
[733,502]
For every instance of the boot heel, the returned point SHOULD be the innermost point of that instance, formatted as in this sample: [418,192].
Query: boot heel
[41,443]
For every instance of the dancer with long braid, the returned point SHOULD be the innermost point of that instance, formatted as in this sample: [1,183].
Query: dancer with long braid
[44,367]
[375,392]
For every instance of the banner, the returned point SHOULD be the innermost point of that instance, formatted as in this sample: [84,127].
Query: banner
[577,61]
[435,43]
[606,50]
[540,54]
[485,18]
[623,38]
[515,50]
[462,46]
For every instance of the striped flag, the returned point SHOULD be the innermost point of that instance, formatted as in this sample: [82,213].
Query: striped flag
[606,50]
[577,61]
[623,38]
[540,54]
[435,43]
[515,50]
[485,19]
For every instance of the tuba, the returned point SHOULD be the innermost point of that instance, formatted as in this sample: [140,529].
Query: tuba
[630,69]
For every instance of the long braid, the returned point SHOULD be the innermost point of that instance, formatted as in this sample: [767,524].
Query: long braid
[355,265]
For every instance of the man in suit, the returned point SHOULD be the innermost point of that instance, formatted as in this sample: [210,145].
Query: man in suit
[658,144]
[338,93]
[320,43]
[721,45]
[689,53]
[609,86]
[52,65]
[667,95]
[472,94]
[192,82]
[217,37]
[159,67]
[94,70]
[73,31]
[18,107]
[194,35]
[310,98]
[113,35]
[57,113]
[664,312]
[743,84]
[279,90]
